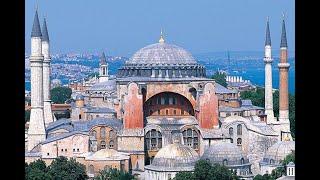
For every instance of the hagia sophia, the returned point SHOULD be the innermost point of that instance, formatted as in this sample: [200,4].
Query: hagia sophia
[158,115]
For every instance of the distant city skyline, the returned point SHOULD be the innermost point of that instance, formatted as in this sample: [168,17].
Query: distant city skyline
[120,28]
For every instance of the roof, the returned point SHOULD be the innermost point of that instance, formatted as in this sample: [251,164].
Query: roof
[107,154]
[109,85]
[162,53]
[178,120]
[278,151]
[103,60]
[214,133]
[222,90]
[287,178]
[100,110]
[246,102]
[62,136]
[221,151]
[45,35]
[175,155]
[283,35]
[36,31]
[268,39]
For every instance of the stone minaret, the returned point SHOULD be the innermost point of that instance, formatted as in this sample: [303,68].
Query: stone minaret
[48,116]
[268,77]
[36,131]
[283,85]
[103,72]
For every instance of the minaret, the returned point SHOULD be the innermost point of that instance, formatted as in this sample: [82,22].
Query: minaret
[48,116]
[283,84]
[103,72]
[36,131]
[268,77]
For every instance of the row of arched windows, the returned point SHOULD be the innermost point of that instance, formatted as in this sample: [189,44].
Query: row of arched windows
[239,130]
[190,138]
[102,133]
[153,140]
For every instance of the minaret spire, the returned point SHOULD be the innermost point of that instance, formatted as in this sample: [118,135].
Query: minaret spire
[45,35]
[283,33]
[268,77]
[36,31]
[268,38]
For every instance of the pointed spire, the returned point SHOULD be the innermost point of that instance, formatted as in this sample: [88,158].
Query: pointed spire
[268,38]
[103,60]
[283,34]
[45,35]
[161,40]
[36,31]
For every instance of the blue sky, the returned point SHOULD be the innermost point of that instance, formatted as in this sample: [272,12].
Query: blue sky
[121,27]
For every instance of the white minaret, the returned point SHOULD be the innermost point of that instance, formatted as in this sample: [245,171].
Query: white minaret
[36,131]
[268,77]
[103,71]
[48,116]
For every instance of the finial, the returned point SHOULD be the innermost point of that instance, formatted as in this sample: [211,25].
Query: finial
[37,4]
[283,16]
[161,40]
[267,18]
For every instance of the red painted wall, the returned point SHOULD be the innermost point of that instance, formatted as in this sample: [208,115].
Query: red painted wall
[133,112]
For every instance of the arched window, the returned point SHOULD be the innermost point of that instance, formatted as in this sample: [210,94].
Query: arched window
[190,138]
[239,129]
[174,112]
[231,140]
[150,112]
[79,116]
[167,112]
[271,161]
[111,134]
[225,162]
[111,144]
[158,111]
[103,132]
[242,161]
[153,140]
[103,145]
[159,100]
[239,141]
[91,169]
[93,134]
[231,131]
[174,100]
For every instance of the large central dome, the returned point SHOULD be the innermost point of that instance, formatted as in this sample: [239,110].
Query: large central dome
[162,53]
[162,60]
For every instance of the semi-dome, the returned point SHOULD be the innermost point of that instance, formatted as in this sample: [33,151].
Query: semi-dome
[162,53]
[279,151]
[175,155]
[225,153]
[162,60]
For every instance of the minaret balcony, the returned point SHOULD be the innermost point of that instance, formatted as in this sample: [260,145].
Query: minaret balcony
[283,65]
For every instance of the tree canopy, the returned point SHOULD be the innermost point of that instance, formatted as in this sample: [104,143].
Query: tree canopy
[113,174]
[61,169]
[204,170]
[220,78]
[60,94]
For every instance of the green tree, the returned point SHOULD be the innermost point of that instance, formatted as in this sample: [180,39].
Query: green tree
[203,170]
[63,169]
[184,176]
[60,94]
[220,78]
[113,174]
[36,170]
[264,177]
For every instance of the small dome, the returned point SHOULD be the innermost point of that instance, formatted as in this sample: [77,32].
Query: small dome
[279,151]
[79,97]
[104,153]
[162,53]
[175,155]
[222,151]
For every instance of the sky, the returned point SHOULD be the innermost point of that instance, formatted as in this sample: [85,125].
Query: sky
[121,27]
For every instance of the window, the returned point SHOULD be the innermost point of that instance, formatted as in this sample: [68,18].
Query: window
[169,176]
[167,112]
[78,150]
[74,150]
[47,154]
[182,101]
[111,144]
[97,115]
[162,101]
[158,111]
[111,133]
[103,132]
[93,134]
[61,150]
[79,116]
[190,138]
[182,111]
[174,112]
[231,140]
[150,112]
[239,129]
[231,131]
[239,141]
[159,100]
[242,161]
[174,100]
[190,112]
[225,162]
[91,169]
[65,150]
[271,161]
[103,145]
[153,140]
